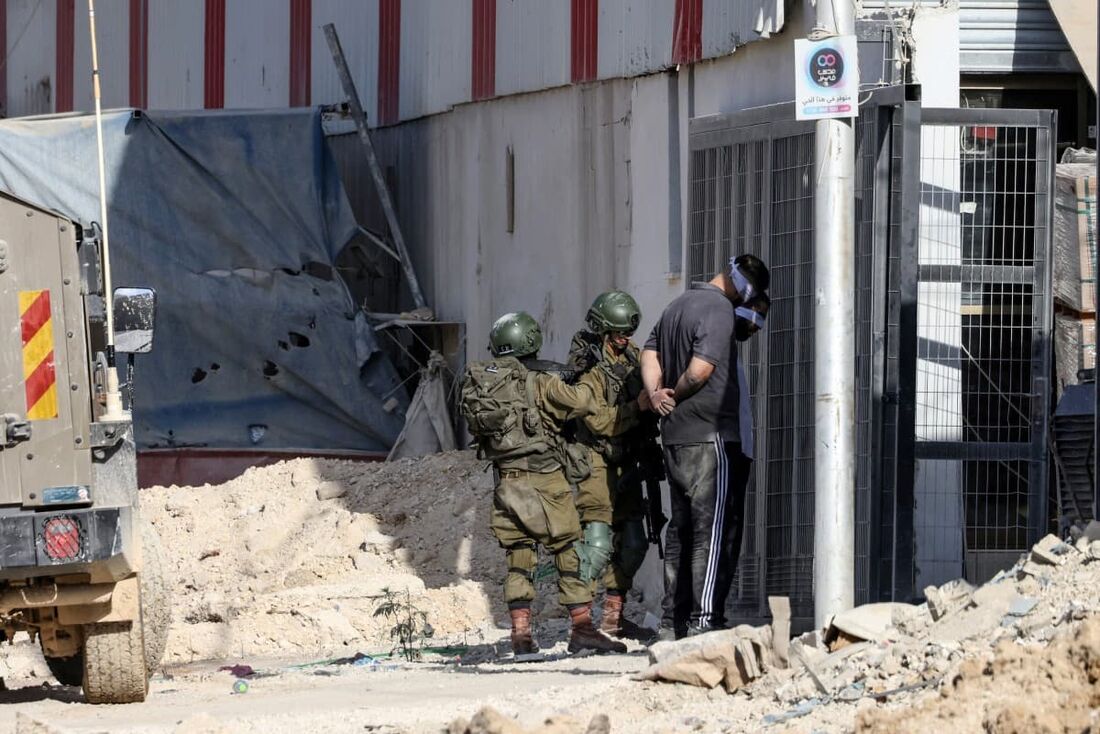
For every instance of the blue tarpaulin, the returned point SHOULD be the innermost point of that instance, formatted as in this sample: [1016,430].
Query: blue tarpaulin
[236,219]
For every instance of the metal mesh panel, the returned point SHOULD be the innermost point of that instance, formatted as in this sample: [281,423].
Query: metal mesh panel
[788,432]
[762,203]
[982,368]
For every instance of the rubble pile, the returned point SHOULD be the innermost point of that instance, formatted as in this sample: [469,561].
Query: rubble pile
[1019,653]
[291,559]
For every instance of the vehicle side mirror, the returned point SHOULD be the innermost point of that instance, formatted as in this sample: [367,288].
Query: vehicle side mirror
[135,312]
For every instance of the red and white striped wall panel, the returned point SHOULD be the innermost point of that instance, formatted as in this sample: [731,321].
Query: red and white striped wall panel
[31,49]
[357,23]
[175,63]
[410,58]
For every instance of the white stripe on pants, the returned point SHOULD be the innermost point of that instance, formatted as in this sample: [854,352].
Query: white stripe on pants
[721,478]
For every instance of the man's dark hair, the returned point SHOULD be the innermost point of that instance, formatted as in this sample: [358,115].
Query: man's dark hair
[760,299]
[754,269]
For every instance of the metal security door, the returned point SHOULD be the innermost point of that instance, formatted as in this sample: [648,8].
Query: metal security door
[981,339]
[752,191]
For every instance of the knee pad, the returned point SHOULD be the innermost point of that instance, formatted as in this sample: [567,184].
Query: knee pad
[594,550]
[633,547]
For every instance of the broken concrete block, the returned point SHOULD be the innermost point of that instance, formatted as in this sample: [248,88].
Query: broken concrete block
[812,640]
[1050,551]
[331,490]
[780,607]
[1082,544]
[1022,606]
[747,657]
[1094,550]
[998,595]
[1033,569]
[949,598]
[1092,531]
[868,622]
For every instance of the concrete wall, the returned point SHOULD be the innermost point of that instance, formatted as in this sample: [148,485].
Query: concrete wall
[598,194]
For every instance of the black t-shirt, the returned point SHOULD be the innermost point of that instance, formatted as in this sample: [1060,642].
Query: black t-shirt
[699,323]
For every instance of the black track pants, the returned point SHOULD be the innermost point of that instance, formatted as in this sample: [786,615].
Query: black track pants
[707,489]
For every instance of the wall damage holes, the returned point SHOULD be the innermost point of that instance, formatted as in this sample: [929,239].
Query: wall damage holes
[270,369]
[198,375]
[299,340]
[284,346]
[214,366]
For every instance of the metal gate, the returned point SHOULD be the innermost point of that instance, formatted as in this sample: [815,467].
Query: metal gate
[752,191]
[984,320]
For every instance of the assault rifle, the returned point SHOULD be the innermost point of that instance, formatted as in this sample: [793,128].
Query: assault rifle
[649,471]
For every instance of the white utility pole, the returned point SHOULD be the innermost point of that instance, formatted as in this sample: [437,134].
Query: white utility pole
[834,346]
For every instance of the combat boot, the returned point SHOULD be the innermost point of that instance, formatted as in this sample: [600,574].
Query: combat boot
[616,624]
[522,641]
[585,636]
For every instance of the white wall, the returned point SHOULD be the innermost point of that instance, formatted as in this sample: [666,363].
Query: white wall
[176,65]
[32,40]
[356,22]
[257,56]
[112,27]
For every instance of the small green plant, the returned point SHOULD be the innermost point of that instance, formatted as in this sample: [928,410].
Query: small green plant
[410,624]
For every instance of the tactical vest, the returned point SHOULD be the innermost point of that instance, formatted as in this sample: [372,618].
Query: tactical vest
[622,383]
[498,401]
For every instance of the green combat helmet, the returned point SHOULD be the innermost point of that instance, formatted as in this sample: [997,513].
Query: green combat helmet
[515,335]
[614,311]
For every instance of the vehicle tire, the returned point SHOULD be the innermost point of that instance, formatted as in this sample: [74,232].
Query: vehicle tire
[114,663]
[156,596]
[68,671]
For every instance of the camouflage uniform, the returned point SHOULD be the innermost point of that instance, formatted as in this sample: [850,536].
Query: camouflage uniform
[533,502]
[611,432]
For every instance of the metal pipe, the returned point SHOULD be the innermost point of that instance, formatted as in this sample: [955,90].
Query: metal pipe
[834,347]
[114,409]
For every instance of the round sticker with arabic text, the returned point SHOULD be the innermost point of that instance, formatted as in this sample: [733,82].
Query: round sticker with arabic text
[826,67]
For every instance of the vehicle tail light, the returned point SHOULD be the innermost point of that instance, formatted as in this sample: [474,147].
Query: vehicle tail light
[61,538]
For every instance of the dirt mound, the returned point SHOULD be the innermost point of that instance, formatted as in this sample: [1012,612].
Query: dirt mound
[1019,689]
[264,567]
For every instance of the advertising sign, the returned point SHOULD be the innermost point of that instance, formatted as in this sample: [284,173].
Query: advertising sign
[826,78]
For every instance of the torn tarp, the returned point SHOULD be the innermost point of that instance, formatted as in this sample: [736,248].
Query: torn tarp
[236,219]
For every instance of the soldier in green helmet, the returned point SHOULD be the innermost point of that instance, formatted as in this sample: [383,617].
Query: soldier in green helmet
[624,455]
[516,411]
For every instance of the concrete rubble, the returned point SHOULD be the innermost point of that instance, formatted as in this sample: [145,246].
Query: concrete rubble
[490,721]
[879,657]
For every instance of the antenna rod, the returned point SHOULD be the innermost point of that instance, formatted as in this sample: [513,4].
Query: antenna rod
[114,397]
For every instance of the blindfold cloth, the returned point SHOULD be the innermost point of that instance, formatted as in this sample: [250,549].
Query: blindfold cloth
[740,282]
[755,318]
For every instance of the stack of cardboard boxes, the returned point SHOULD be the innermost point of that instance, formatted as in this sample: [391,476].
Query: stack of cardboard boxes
[1074,266]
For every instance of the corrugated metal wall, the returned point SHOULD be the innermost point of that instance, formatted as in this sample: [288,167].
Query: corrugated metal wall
[1003,36]
[175,67]
[410,58]
[112,20]
[31,37]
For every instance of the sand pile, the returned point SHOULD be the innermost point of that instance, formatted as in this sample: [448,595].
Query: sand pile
[290,559]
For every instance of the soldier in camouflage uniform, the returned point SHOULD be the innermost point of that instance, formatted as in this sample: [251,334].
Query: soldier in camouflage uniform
[610,501]
[516,414]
